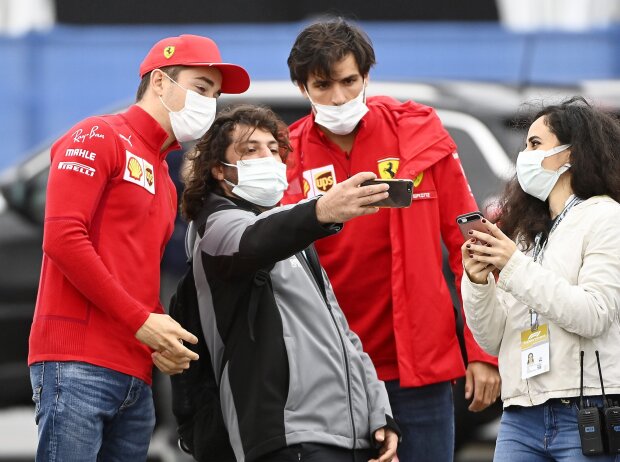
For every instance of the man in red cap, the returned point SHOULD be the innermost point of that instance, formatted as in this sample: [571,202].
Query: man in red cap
[99,326]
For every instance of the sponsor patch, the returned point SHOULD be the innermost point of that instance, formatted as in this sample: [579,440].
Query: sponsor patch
[430,192]
[83,153]
[139,171]
[77,167]
[388,167]
[126,138]
[424,195]
[318,180]
[79,136]
[417,181]
[168,52]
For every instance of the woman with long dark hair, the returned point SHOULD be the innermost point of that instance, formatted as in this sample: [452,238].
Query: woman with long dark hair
[545,284]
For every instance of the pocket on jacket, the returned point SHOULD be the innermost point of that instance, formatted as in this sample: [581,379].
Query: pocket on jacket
[294,395]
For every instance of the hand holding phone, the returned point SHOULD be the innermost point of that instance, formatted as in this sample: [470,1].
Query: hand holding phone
[399,194]
[471,221]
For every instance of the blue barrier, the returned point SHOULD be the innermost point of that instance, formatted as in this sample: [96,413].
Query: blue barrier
[52,80]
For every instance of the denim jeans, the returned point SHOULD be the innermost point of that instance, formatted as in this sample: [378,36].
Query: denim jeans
[89,413]
[547,432]
[425,416]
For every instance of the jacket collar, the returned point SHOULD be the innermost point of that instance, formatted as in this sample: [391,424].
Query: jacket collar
[216,201]
[148,130]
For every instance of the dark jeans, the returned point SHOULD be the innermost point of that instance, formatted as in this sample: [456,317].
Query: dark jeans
[425,416]
[312,452]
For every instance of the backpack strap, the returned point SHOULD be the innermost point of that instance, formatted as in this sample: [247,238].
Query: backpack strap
[315,266]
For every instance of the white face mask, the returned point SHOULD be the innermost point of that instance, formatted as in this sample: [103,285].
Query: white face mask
[260,181]
[342,119]
[196,117]
[533,178]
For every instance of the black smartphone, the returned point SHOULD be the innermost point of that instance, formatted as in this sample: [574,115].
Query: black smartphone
[470,221]
[400,192]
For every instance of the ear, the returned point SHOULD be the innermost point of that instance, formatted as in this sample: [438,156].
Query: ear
[566,155]
[218,172]
[367,78]
[157,81]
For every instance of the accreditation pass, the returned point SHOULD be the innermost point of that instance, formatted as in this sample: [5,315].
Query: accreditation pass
[534,351]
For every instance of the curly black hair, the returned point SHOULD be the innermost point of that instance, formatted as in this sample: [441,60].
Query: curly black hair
[594,137]
[210,150]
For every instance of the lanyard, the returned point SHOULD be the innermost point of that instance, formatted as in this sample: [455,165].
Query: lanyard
[539,244]
[539,248]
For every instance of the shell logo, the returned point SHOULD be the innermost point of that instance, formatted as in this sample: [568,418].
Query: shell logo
[306,187]
[134,169]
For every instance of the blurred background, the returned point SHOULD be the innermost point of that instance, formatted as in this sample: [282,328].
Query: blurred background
[485,65]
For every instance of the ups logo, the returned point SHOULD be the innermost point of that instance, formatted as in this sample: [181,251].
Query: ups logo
[324,181]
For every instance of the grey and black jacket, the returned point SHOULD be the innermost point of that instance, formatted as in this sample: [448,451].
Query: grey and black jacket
[292,370]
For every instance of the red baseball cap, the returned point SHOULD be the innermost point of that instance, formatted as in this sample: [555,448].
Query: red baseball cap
[194,50]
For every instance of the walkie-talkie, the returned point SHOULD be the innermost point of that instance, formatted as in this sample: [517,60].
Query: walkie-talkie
[589,420]
[611,417]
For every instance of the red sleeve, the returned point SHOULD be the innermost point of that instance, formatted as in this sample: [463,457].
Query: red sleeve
[75,187]
[294,168]
[456,198]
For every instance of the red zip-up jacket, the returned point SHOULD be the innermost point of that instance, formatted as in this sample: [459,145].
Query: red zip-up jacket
[110,210]
[386,268]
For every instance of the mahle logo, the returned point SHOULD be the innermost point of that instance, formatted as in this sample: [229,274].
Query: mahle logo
[324,181]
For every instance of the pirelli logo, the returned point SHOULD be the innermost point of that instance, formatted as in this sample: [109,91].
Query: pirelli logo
[77,167]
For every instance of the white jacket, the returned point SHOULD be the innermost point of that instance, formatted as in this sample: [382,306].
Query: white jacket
[576,291]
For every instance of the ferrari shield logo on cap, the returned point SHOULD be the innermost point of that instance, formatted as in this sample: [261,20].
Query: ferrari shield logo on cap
[168,52]
[388,167]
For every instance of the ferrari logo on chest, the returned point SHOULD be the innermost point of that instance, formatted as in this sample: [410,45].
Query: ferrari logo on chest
[388,167]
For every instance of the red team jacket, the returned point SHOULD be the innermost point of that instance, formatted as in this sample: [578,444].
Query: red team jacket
[386,268]
[110,211]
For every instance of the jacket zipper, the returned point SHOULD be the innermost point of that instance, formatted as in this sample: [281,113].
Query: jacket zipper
[310,273]
[348,375]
